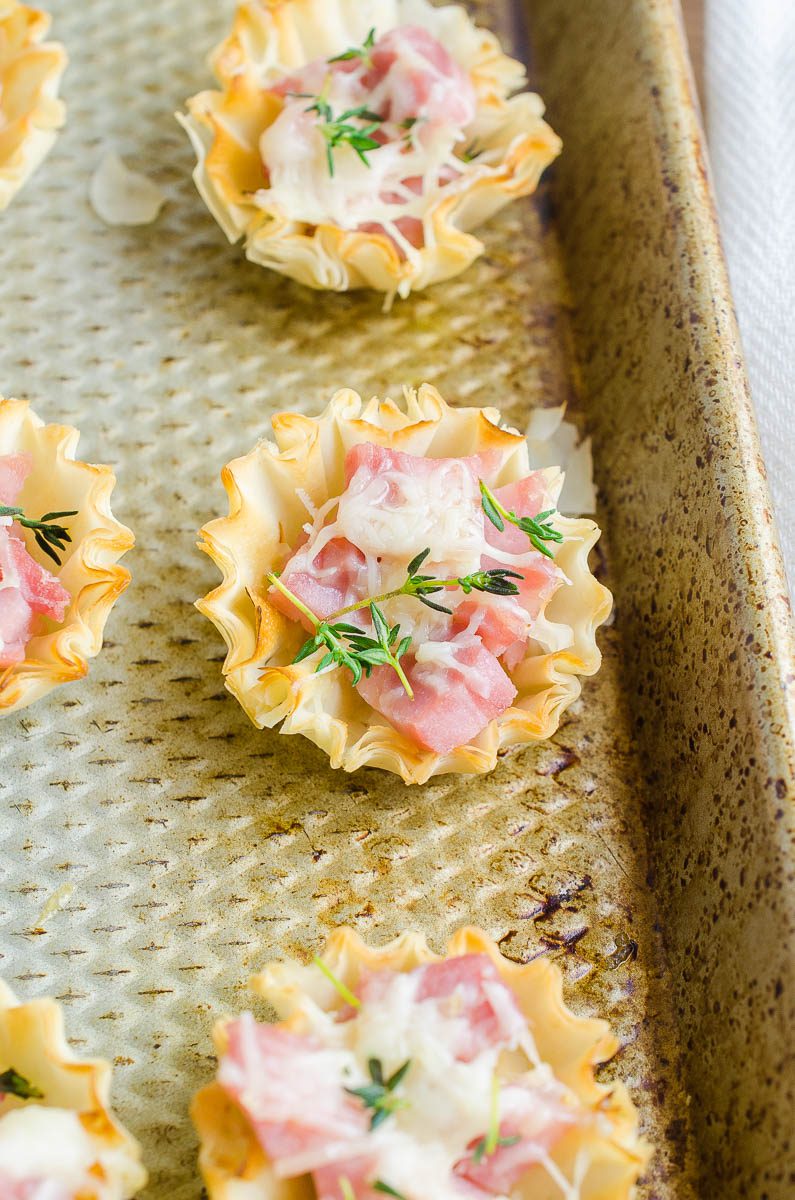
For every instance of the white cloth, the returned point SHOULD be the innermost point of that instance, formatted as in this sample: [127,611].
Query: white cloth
[750,111]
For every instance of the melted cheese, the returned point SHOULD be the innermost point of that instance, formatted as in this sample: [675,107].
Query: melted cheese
[448,1102]
[46,1144]
[400,178]
[399,515]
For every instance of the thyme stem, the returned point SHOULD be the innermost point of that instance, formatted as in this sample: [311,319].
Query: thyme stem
[299,604]
[537,528]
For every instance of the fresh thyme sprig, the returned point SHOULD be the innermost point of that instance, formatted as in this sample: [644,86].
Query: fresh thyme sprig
[382,650]
[338,131]
[362,52]
[343,989]
[50,538]
[379,1094]
[497,581]
[537,528]
[491,1139]
[362,652]
[14,1084]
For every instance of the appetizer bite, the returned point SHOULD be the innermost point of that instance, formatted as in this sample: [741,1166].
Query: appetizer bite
[358,144]
[394,1072]
[30,112]
[59,1139]
[399,588]
[59,550]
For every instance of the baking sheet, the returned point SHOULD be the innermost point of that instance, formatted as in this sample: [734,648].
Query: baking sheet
[155,848]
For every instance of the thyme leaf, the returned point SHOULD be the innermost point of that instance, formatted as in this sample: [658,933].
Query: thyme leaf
[537,528]
[379,1093]
[14,1084]
[497,581]
[50,538]
[349,646]
[380,1186]
[362,52]
[338,131]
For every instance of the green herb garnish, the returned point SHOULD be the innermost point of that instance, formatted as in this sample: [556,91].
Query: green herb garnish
[422,586]
[346,1188]
[361,653]
[338,131]
[351,647]
[14,1084]
[341,987]
[471,152]
[362,52]
[50,538]
[379,1093]
[537,528]
[380,1186]
[491,1140]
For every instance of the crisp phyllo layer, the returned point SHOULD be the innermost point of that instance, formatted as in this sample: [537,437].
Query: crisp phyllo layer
[58,1138]
[359,144]
[400,588]
[397,1073]
[30,112]
[59,550]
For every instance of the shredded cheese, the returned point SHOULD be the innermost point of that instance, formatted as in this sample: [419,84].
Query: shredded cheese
[51,1146]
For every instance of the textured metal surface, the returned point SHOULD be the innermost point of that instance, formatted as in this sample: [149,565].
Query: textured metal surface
[703,607]
[183,846]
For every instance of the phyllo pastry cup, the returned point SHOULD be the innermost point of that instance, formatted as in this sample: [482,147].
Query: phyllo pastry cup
[498,151]
[30,112]
[598,1156]
[58,1134]
[272,489]
[87,576]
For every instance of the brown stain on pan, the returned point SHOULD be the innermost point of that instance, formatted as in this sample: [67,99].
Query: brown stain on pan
[702,598]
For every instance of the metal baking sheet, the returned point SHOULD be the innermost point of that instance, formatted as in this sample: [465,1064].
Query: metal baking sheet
[155,847]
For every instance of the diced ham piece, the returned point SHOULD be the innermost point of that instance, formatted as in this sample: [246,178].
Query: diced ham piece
[527,498]
[14,470]
[451,705]
[325,582]
[467,986]
[291,1089]
[26,588]
[499,621]
[418,79]
[538,1118]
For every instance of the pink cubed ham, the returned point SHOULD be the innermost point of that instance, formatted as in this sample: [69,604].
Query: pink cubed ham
[419,80]
[26,588]
[527,497]
[451,705]
[325,582]
[538,1118]
[14,470]
[290,1086]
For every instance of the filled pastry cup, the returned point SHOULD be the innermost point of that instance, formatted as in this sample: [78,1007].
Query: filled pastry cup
[87,581]
[30,112]
[58,1135]
[372,224]
[594,1150]
[273,489]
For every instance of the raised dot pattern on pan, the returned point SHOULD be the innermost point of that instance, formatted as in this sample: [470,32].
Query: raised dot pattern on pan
[189,841]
